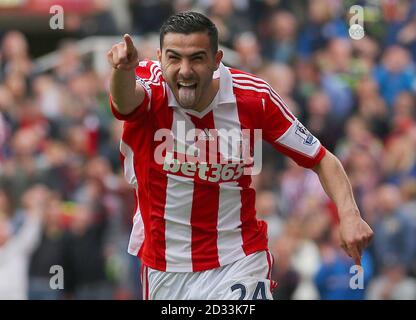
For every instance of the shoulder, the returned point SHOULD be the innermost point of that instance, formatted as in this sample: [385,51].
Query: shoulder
[245,83]
[149,70]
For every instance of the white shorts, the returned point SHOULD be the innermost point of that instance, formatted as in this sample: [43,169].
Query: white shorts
[245,279]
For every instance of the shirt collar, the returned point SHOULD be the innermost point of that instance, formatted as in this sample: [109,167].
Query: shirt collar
[225,94]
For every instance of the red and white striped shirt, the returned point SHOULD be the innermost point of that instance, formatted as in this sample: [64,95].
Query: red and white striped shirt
[189,220]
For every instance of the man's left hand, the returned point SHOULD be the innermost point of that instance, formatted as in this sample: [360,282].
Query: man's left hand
[355,234]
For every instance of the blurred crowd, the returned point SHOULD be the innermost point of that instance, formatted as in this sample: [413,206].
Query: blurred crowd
[64,201]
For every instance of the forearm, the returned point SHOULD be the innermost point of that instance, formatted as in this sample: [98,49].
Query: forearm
[126,95]
[336,184]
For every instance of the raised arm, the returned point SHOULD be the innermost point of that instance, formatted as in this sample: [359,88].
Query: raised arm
[125,92]
[354,231]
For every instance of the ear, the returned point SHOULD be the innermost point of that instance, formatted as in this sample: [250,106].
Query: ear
[159,55]
[218,57]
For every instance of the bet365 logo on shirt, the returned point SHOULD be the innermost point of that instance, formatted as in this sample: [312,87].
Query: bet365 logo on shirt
[212,155]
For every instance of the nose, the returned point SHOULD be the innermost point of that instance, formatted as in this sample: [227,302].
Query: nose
[186,69]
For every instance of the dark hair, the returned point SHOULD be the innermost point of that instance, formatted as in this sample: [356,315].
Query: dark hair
[190,22]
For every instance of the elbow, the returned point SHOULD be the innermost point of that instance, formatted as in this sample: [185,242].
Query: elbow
[329,160]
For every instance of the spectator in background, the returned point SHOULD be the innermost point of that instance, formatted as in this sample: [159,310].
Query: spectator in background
[21,171]
[229,21]
[372,108]
[149,15]
[404,116]
[15,57]
[408,193]
[286,277]
[333,277]
[305,257]
[399,156]
[365,174]
[281,44]
[322,25]
[18,241]
[50,252]
[85,272]
[300,189]
[340,75]
[249,52]
[400,24]
[394,238]
[267,210]
[69,62]
[395,74]
[307,82]
[367,51]
[320,121]
[392,284]
[358,136]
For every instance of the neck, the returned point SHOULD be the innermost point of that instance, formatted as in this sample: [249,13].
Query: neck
[209,96]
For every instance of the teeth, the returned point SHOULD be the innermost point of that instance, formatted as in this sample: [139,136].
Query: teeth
[187,84]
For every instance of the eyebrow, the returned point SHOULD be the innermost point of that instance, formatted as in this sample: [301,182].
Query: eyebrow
[201,52]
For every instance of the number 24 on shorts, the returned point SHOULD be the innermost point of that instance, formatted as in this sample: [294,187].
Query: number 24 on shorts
[259,292]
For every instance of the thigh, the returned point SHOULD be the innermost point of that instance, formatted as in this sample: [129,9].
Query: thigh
[246,279]
[159,285]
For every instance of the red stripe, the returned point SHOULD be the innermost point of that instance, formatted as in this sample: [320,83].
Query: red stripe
[253,232]
[158,181]
[300,158]
[154,253]
[204,217]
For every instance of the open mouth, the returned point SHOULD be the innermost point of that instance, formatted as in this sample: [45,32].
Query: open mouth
[187,85]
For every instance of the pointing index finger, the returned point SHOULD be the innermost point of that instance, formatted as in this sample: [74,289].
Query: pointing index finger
[356,255]
[129,43]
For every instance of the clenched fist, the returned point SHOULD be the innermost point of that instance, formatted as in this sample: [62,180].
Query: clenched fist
[123,55]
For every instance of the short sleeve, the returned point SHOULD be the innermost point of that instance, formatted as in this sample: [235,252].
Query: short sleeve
[147,75]
[287,134]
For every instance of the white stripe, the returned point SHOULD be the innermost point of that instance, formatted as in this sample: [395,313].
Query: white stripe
[178,207]
[230,240]
[128,164]
[144,284]
[267,86]
[269,275]
[137,234]
[242,75]
[271,98]
[227,124]
[178,231]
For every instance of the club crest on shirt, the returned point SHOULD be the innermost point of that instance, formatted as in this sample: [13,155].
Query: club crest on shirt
[306,136]
[144,85]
